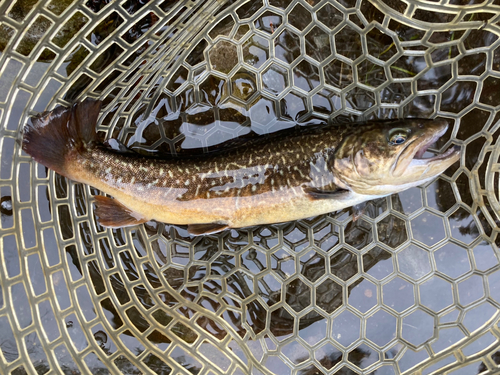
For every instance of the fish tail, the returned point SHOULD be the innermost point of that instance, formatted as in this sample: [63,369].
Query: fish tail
[52,137]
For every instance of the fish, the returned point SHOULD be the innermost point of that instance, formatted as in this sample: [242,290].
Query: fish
[284,176]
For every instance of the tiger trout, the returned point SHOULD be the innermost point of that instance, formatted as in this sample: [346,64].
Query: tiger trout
[288,175]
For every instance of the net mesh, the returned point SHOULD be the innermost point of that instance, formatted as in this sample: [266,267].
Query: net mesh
[411,287]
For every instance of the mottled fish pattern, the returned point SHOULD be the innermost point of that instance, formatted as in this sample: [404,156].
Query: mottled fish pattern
[292,174]
[297,158]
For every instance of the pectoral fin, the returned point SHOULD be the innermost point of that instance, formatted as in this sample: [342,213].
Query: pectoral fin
[199,229]
[113,214]
[357,211]
[339,194]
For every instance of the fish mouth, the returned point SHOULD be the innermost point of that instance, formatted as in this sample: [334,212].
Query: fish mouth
[413,161]
[452,153]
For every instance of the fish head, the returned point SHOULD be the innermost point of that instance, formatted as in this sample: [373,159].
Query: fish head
[386,157]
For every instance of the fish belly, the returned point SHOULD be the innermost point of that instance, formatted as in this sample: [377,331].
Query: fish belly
[237,212]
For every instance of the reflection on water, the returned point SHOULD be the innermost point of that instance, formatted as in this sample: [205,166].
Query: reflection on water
[378,290]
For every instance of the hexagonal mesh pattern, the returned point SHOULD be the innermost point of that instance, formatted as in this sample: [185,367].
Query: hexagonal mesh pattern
[412,286]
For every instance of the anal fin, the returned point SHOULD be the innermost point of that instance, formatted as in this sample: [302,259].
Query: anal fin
[209,228]
[113,214]
[338,194]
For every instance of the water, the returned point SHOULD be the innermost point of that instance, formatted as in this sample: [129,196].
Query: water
[413,278]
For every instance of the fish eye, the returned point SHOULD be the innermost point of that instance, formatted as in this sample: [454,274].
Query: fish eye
[398,137]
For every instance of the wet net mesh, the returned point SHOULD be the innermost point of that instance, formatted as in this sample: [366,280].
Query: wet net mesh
[412,286]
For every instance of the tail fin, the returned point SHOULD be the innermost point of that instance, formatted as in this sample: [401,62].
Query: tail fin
[52,135]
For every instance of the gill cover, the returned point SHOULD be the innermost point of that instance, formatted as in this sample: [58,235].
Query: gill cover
[362,164]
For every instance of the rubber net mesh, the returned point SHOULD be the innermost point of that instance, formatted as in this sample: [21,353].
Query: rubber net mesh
[412,286]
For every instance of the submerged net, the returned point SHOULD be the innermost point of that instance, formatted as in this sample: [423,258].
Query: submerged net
[412,286]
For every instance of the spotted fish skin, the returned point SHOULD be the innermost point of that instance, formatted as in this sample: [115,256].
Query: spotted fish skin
[289,175]
[292,159]
[242,186]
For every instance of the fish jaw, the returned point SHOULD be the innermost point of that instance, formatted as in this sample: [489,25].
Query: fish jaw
[416,149]
[418,172]
[424,169]
[413,167]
